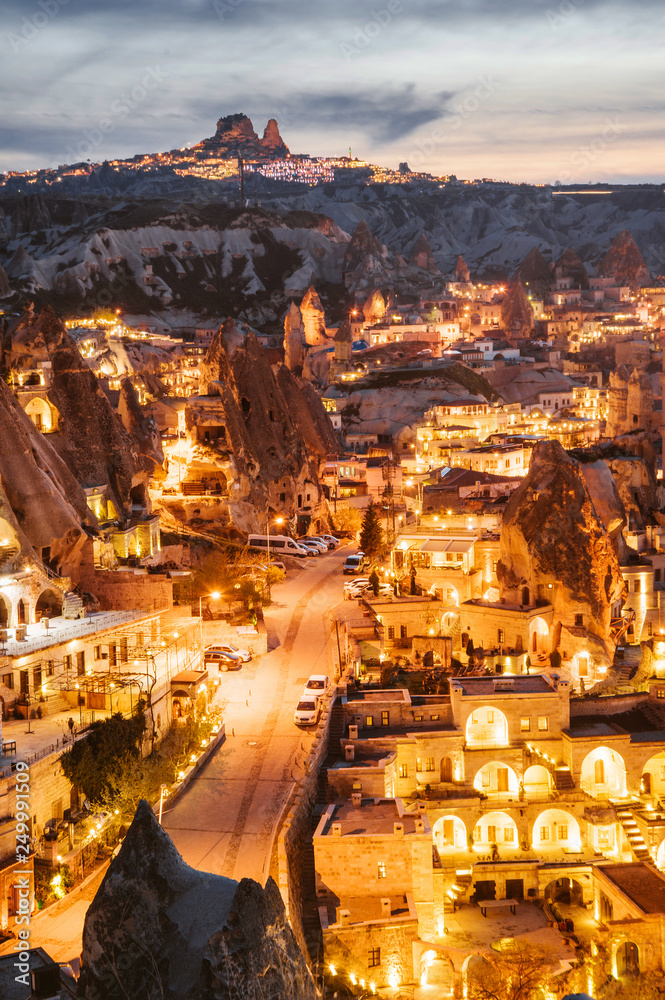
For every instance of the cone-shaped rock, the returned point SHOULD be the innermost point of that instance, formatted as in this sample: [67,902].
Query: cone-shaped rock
[313,318]
[160,930]
[462,270]
[624,262]
[517,317]
[569,265]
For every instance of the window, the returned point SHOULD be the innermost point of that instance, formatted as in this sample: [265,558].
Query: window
[381,870]
[419,763]
[124,651]
[637,587]
[404,770]
[599,772]
[525,725]
[385,718]
[562,832]
[490,715]
[508,834]
[369,721]
[544,833]
[67,660]
[429,763]
[543,725]
[418,718]
[656,576]
[50,668]
[8,681]
[486,779]
[434,718]
[373,958]
[402,631]
[80,663]
[98,652]
[491,834]
[501,636]
[579,620]
[474,719]
[391,631]
[660,693]
[649,628]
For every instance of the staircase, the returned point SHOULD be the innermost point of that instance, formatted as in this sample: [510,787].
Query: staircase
[72,606]
[460,889]
[655,714]
[563,781]
[335,734]
[632,831]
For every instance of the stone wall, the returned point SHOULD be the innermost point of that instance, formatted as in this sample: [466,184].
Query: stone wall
[129,591]
[607,706]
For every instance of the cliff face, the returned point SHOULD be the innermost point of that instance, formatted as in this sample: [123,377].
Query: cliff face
[235,136]
[313,318]
[160,930]
[42,506]
[421,255]
[569,265]
[624,262]
[553,535]
[90,438]
[273,439]
[535,272]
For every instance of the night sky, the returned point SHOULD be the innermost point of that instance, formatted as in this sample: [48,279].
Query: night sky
[530,90]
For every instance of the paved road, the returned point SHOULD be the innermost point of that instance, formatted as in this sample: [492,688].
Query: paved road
[224,822]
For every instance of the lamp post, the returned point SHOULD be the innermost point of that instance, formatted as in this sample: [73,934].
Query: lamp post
[162,792]
[215,597]
[278,520]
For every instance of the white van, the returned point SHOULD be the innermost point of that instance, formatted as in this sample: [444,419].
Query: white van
[281,544]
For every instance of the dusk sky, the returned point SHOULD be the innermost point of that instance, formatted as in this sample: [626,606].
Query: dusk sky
[534,90]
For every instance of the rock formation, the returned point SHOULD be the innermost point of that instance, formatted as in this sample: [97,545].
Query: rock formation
[462,271]
[375,308]
[421,255]
[517,317]
[343,342]
[293,338]
[313,318]
[569,265]
[235,136]
[624,262]
[29,215]
[267,441]
[160,930]
[5,287]
[90,437]
[142,430]
[554,545]
[629,402]
[42,507]
[535,272]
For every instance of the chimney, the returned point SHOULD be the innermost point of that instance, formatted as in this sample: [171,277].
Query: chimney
[357,799]
[353,732]
[422,808]
[349,752]
[337,829]
[420,826]
[344,917]
[398,829]
[386,908]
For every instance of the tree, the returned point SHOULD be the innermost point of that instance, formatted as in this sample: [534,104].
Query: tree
[96,764]
[371,533]
[414,588]
[374,582]
[347,520]
[518,972]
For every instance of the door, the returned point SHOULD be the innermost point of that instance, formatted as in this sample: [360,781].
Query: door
[502,779]
[446,769]
[449,832]
[514,888]
[485,890]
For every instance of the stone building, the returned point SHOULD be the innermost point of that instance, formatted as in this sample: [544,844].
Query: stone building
[630,402]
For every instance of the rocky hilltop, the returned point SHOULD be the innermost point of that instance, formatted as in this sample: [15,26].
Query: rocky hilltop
[160,930]
[556,548]
[235,136]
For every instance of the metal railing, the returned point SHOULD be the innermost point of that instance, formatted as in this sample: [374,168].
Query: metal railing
[55,636]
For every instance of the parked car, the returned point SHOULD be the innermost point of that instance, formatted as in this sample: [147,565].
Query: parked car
[357,584]
[320,538]
[307,711]
[331,540]
[244,654]
[223,661]
[311,548]
[310,540]
[316,686]
[355,563]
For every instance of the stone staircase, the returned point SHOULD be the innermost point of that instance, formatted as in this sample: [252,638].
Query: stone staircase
[335,734]
[563,781]
[460,889]
[72,605]
[633,835]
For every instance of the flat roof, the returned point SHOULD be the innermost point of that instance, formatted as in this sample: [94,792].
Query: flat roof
[501,684]
[373,816]
[642,883]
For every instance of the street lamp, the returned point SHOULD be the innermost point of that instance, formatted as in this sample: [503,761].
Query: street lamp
[278,520]
[163,791]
